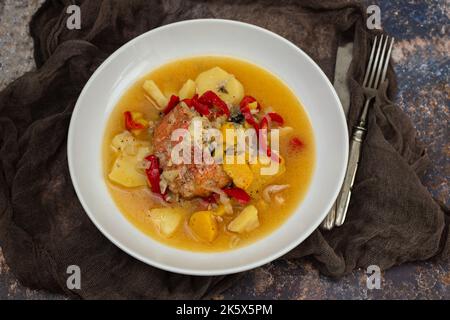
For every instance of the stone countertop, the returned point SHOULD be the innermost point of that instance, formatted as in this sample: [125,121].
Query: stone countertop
[422,65]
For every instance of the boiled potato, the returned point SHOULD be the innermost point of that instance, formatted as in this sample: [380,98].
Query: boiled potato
[246,221]
[167,220]
[155,93]
[241,174]
[124,172]
[225,85]
[122,140]
[126,143]
[188,90]
[204,225]
[142,152]
[260,180]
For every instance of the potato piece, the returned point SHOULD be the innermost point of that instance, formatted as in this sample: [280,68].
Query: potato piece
[204,225]
[167,220]
[155,93]
[260,181]
[124,172]
[187,91]
[122,140]
[241,174]
[142,152]
[246,221]
[125,142]
[225,85]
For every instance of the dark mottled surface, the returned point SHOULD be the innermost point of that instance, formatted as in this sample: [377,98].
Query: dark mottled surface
[421,57]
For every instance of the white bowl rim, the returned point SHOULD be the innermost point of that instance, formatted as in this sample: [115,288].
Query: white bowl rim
[216,272]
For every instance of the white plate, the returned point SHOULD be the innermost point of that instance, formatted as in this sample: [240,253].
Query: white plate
[206,37]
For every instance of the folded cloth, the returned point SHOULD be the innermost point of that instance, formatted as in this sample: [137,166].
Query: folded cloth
[43,228]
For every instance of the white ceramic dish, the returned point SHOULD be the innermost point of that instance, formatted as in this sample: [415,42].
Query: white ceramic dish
[206,37]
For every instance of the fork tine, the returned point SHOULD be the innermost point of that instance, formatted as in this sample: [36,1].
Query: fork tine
[386,63]
[375,64]
[369,64]
[381,64]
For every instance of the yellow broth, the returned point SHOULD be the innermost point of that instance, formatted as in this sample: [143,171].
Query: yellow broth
[271,92]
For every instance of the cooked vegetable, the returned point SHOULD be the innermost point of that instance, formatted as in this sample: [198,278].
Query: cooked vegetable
[225,85]
[135,122]
[124,172]
[167,220]
[188,90]
[204,225]
[296,144]
[124,142]
[246,221]
[241,174]
[153,173]
[251,102]
[238,194]
[245,110]
[211,99]
[275,117]
[261,180]
[173,102]
[201,108]
[155,93]
[268,191]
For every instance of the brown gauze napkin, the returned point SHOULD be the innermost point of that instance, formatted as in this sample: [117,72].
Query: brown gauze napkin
[43,229]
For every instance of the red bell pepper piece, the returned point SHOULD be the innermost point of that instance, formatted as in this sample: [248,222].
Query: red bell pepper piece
[275,117]
[245,110]
[173,102]
[130,124]
[296,143]
[249,117]
[237,193]
[264,124]
[211,99]
[248,99]
[201,108]
[153,173]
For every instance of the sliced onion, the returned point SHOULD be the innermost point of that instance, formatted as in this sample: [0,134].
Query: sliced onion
[275,188]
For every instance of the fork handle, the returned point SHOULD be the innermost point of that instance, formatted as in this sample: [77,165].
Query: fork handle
[358,136]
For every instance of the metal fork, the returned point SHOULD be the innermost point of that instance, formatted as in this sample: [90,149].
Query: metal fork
[376,71]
